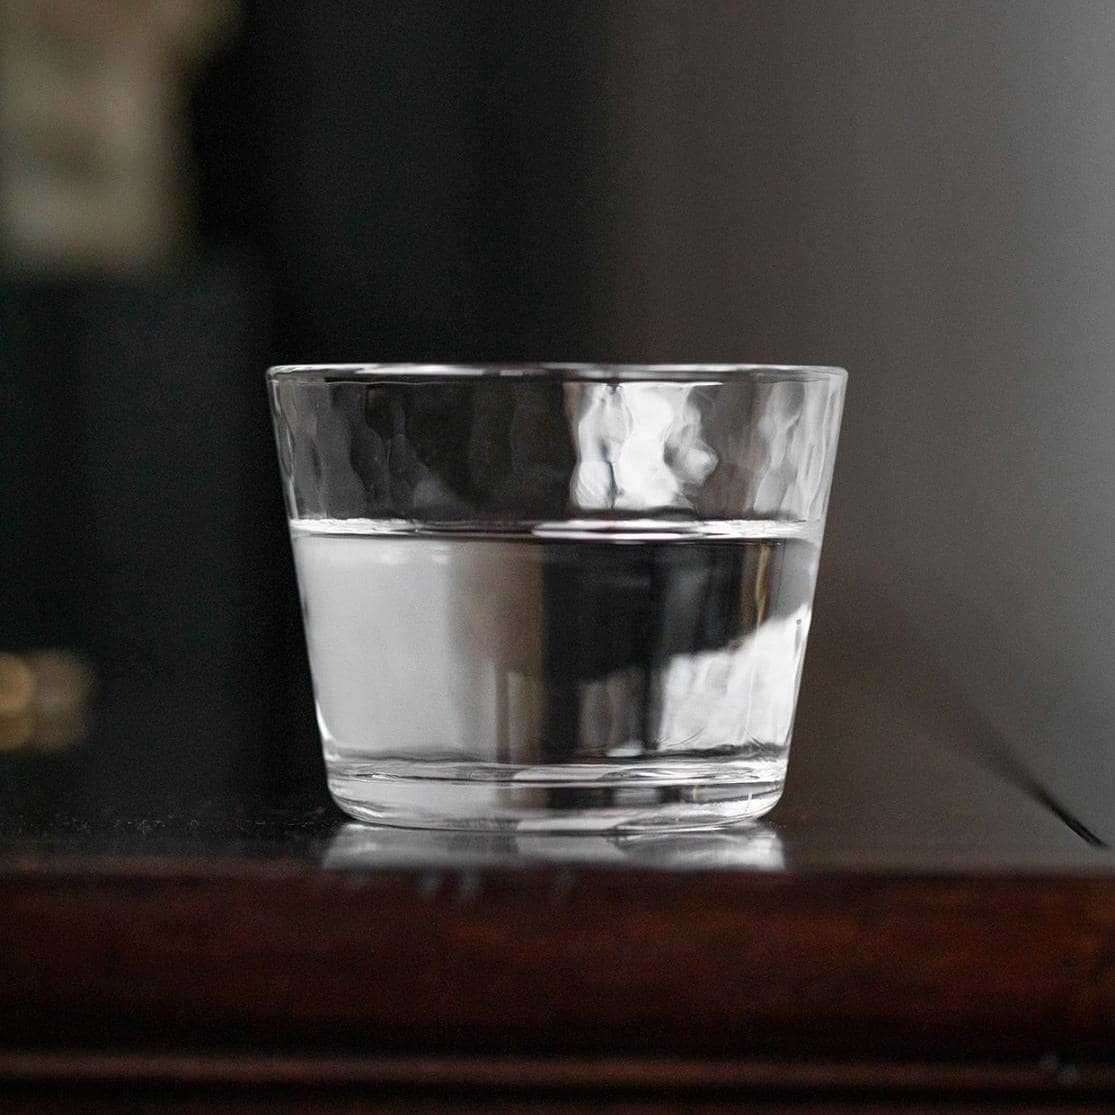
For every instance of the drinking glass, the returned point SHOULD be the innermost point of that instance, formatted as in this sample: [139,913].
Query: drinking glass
[556,596]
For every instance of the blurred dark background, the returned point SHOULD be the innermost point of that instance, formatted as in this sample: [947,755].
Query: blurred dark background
[920,191]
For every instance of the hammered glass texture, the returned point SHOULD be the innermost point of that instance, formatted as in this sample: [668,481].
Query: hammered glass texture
[492,450]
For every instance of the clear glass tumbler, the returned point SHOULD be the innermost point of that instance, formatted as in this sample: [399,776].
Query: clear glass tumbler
[556,596]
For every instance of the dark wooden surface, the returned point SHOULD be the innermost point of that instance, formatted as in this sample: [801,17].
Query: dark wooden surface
[919,919]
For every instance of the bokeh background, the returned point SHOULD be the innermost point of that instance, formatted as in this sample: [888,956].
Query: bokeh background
[920,190]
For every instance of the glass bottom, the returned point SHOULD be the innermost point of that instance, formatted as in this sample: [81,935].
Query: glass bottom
[590,797]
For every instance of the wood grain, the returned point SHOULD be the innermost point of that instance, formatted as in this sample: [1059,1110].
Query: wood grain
[303,1102]
[595,962]
[1044,1077]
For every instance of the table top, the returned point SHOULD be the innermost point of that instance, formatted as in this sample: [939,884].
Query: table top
[919,896]
[875,785]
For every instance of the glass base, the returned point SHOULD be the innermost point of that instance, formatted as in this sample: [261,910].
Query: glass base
[596,797]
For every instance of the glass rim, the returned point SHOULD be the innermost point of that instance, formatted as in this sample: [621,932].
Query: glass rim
[558,371]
